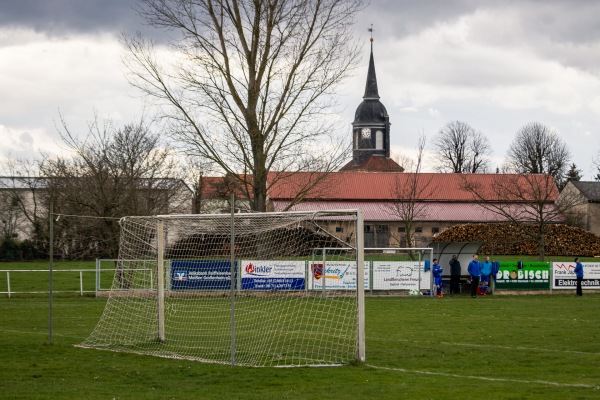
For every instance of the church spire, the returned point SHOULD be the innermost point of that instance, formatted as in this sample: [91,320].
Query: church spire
[371,91]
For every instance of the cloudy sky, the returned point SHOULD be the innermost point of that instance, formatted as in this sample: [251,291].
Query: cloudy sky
[496,65]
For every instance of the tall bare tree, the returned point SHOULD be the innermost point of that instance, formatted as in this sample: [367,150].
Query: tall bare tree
[461,149]
[409,189]
[537,149]
[252,82]
[529,201]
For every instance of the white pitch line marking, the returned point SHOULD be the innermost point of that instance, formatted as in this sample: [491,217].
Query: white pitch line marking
[486,378]
[495,346]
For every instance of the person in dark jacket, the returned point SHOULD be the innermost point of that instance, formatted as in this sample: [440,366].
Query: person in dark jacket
[474,271]
[455,272]
[579,274]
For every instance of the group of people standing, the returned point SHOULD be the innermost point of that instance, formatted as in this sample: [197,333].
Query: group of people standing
[480,273]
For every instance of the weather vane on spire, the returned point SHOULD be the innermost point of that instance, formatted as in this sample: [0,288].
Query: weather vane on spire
[371,30]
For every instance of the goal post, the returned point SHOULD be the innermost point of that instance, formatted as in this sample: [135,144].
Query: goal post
[236,289]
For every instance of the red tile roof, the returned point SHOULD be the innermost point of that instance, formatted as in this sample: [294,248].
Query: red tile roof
[382,186]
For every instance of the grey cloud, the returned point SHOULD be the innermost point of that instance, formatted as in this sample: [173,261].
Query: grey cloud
[558,20]
[68,16]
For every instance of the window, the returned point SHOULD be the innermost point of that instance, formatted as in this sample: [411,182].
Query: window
[379,140]
[339,229]
[435,230]
[419,230]
[381,228]
[401,229]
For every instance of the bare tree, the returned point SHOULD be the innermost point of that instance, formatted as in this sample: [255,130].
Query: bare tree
[529,201]
[113,172]
[462,149]
[537,149]
[479,153]
[596,163]
[409,189]
[251,88]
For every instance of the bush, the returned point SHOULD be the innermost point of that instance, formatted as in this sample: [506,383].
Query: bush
[10,250]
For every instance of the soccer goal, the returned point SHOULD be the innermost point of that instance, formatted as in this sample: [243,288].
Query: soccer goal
[239,289]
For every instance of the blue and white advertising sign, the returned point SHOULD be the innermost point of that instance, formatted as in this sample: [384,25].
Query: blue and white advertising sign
[400,275]
[200,275]
[273,275]
[563,275]
[336,275]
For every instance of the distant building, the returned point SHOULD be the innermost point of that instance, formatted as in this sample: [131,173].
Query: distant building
[586,214]
[25,200]
[440,201]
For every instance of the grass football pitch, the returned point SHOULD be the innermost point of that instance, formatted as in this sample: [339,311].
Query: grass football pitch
[501,347]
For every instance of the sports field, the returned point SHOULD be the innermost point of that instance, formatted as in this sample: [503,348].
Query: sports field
[502,347]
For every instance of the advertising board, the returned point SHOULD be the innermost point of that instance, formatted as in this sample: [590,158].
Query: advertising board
[200,275]
[526,275]
[273,275]
[564,275]
[400,275]
[336,275]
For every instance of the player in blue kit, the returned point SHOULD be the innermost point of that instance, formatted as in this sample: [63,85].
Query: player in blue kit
[484,280]
[474,270]
[437,278]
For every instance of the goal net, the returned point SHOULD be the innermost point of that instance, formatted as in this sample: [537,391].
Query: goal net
[268,289]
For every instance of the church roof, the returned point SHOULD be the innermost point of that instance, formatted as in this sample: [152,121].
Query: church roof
[371,91]
[371,110]
[375,163]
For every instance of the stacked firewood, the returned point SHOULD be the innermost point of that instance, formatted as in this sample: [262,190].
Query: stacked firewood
[508,238]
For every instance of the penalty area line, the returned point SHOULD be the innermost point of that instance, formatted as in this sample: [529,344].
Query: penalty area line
[486,378]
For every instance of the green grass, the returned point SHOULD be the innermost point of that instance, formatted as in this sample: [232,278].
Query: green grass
[501,347]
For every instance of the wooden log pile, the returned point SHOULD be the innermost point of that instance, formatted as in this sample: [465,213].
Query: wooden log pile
[508,238]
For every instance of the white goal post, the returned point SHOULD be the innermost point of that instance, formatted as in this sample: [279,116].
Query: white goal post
[237,289]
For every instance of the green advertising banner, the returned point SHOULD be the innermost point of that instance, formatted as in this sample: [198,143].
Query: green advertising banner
[523,275]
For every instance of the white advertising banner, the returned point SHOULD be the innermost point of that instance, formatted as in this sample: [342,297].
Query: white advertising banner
[400,275]
[336,275]
[563,275]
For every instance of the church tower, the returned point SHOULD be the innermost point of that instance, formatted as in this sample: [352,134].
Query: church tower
[371,131]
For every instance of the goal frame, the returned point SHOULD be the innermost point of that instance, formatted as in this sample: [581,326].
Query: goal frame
[360,289]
